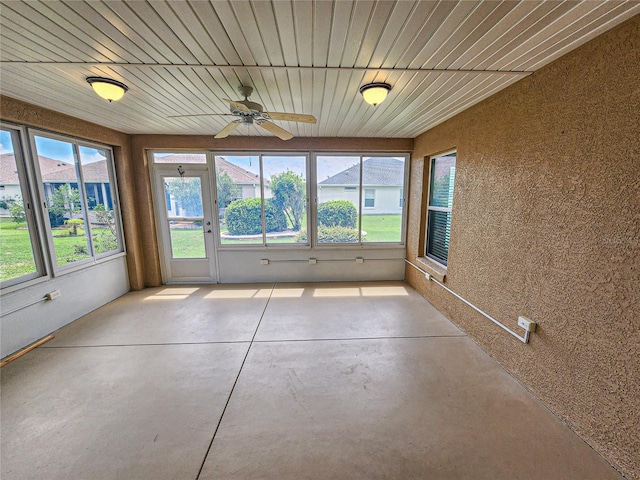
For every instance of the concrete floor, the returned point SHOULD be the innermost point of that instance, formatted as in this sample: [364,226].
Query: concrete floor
[305,381]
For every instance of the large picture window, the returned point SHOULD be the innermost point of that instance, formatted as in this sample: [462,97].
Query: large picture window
[20,258]
[262,199]
[76,181]
[360,199]
[438,235]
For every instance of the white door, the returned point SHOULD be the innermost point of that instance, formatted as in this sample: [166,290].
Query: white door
[185,225]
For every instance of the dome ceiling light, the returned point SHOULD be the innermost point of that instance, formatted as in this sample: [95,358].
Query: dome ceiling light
[108,88]
[375,93]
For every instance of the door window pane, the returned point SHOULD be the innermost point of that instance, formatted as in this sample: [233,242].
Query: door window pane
[239,193]
[185,216]
[17,235]
[285,191]
[95,173]
[338,199]
[66,213]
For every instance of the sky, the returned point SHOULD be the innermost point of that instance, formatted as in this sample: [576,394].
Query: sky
[327,166]
[56,149]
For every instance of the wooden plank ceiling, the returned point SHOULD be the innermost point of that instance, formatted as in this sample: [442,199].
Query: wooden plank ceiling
[301,56]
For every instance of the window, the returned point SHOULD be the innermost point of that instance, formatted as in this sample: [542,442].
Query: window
[20,258]
[357,198]
[442,175]
[262,200]
[77,186]
[369,198]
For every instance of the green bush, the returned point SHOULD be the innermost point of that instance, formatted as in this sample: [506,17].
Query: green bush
[337,213]
[244,217]
[331,235]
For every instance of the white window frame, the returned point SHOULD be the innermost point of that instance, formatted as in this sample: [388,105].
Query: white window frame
[76,144]
[30,201]
[264,244]
[360,244]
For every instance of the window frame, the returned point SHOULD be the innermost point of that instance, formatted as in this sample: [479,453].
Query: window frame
[76,143]
[361,244]
[432,208]
[264,245]
[31,200]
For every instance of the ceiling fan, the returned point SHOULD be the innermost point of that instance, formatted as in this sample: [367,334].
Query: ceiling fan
[252,113]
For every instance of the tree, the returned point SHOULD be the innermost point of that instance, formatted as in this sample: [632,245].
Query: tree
[105,239]
[15,207]
[17,212]
[64,201]
[228,191]
[289,192]
[187,194]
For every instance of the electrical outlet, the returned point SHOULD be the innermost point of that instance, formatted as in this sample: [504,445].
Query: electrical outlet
[359,260]
[264,261]
[52,295]
[427,276]
[313,261]
[528,325]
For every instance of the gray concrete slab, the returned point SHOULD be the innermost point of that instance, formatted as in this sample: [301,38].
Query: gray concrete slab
[350,310]
[144,412]
[421,408]
[171,314]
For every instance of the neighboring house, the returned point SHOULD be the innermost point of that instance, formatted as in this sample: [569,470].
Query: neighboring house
[9,183]
[55,173]
[382,181]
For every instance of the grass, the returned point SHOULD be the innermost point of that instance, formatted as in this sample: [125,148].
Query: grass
[382,228]
[16,254]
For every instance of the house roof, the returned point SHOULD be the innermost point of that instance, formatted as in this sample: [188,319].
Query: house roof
[238,174]
[53,170]
[375,171]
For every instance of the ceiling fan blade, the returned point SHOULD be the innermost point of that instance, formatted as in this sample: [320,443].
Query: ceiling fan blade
[292,117]
[228,129]
[199,115]
[237,105]
[276,130]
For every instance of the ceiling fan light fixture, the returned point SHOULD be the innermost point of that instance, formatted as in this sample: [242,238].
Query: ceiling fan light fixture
[375,93]
[108,88]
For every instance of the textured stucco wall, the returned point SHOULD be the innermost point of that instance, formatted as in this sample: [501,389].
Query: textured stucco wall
[16,111]
[546,224]
[140,144]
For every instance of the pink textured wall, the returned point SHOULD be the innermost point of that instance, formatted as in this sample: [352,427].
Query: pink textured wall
[546,224]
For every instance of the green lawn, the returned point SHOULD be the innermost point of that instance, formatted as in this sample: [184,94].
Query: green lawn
[16,255]
[382,228]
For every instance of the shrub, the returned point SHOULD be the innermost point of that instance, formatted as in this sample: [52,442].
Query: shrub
[337,213]
[337,234]
[244,217]
[331,235]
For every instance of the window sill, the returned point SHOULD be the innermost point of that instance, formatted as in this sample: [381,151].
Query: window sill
[437,271]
